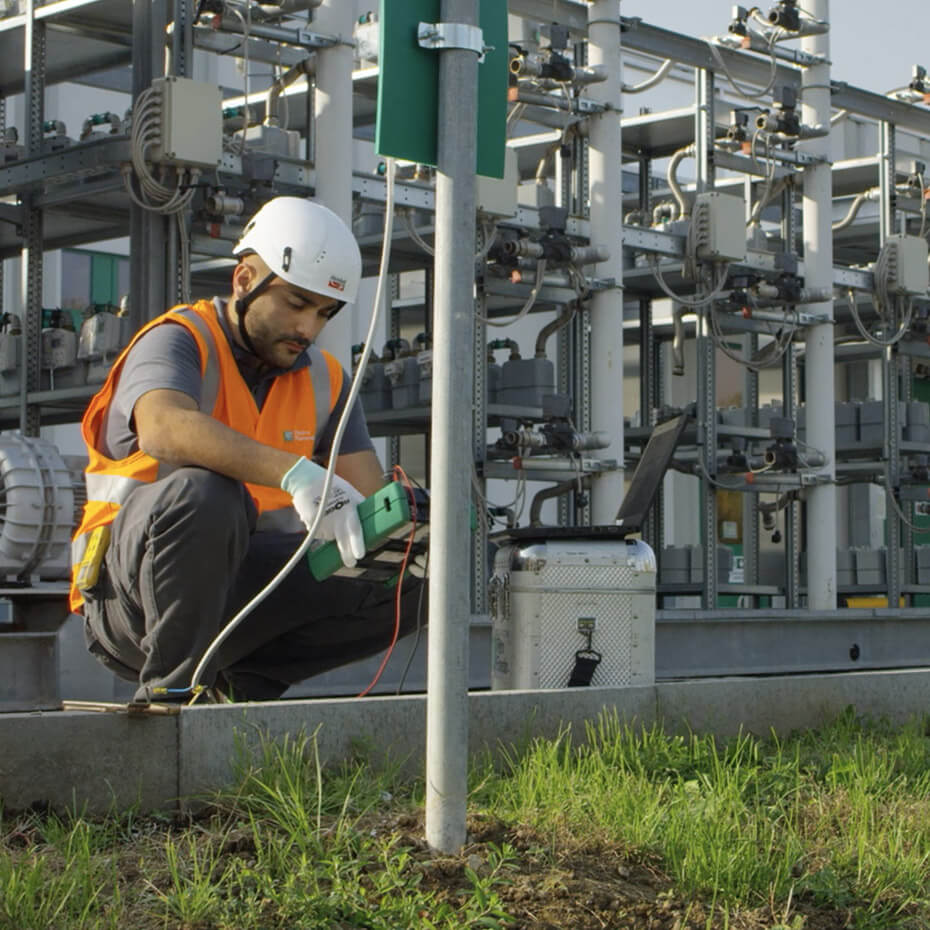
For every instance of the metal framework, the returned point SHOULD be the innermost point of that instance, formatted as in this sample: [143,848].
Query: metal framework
[570,137]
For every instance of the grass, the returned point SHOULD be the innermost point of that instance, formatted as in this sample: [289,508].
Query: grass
[825,828]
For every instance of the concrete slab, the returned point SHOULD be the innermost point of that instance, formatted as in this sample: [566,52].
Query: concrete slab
[91,761]
[758,705]
[386,728]
[98,760]
[28,672]
[511,718]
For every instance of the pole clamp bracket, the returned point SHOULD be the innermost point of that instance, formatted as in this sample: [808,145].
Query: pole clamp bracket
[441,36]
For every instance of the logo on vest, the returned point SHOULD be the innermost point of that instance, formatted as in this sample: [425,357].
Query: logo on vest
[298,435]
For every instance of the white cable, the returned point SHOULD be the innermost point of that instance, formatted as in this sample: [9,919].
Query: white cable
[897,506]
[923,205]
[749,95]
[684,301]
[782,344]
[337,439]
[146,131]
[489,230]
[882,343]
[417,238]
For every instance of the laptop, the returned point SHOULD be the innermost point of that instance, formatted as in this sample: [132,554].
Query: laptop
[636,503]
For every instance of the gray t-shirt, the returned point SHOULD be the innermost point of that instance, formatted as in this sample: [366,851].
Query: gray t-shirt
[166,357]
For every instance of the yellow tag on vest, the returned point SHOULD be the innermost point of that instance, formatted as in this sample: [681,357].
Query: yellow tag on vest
[88,570]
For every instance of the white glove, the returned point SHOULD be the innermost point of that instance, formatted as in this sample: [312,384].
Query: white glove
[304,482]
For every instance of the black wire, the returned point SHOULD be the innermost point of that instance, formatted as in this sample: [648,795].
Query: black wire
[416,639]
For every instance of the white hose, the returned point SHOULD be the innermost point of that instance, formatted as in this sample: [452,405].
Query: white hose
[224,634]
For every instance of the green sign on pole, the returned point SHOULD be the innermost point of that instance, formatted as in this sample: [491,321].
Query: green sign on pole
[408,85]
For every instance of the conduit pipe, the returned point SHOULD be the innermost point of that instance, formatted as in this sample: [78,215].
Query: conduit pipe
[656,78]
[871,194]
[678,337]
[305,67]
[684,209]
[562,320]
[557,490]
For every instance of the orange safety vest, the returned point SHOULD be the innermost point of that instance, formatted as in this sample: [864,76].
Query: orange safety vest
[297,407]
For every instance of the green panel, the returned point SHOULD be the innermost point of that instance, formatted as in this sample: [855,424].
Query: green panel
[408,85]
[492,90]
[103,278]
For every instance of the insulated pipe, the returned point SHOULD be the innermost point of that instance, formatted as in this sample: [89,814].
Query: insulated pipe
[535,66]
[333,140]
[818,273]
[678,338]
[579,254]
[606,225]
[811,459]
[553,101]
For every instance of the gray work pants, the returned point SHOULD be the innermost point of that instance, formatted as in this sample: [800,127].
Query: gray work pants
[183,558]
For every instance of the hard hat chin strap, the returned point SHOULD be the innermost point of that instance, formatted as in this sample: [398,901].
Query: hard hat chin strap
[242,304]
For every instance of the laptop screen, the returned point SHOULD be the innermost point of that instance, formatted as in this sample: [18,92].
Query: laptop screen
[649,474]
[645,484]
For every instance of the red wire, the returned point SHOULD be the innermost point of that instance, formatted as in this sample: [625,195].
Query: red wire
[399,475]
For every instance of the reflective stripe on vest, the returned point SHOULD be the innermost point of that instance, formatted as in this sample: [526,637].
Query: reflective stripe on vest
[210,385]
[113,489]
[319,378]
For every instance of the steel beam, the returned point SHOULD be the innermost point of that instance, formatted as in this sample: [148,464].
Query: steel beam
[694,643]
[148,231]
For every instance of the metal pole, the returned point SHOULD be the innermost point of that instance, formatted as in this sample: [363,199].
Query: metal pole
[32,255]
[333,137]
[452,449]
[149,292]
[605,187]
[817,215]
[890,372]
[706,350]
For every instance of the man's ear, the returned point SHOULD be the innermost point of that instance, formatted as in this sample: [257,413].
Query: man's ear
[242,279]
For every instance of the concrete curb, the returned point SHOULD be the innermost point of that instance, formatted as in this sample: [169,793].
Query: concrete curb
[95,761]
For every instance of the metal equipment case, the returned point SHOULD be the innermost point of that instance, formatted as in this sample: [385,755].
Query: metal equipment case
[555,598]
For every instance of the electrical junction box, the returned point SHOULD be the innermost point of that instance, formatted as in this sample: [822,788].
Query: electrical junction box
[271,140]
[553,599]
[910,273]
[191,123]
[720,227]
[498,196]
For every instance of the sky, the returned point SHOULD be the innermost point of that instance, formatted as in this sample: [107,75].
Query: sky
[872,45]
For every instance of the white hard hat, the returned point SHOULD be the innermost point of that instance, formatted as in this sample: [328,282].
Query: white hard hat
[305,244]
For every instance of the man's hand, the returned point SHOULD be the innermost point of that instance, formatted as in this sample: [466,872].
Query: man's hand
[304,482]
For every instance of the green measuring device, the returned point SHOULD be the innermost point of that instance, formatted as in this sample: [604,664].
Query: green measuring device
[386,524]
